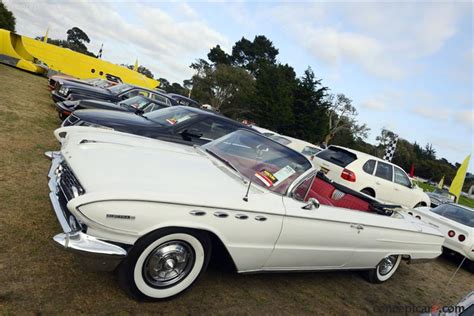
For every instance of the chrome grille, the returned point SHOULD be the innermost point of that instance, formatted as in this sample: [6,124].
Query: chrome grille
[68,183]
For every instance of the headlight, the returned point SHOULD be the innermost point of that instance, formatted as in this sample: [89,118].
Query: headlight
[63,90]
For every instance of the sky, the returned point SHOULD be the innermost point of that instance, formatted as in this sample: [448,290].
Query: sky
[407,66]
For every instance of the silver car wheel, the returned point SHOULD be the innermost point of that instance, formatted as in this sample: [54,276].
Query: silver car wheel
[168,264]
[387,264]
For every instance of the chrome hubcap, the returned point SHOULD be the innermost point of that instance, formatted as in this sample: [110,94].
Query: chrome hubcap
[168,264]
[387,264]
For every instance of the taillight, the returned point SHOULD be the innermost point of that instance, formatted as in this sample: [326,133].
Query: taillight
[461,238]
[451,233]
[348,175]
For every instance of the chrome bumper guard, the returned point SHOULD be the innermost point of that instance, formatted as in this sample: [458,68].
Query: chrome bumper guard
[100,255]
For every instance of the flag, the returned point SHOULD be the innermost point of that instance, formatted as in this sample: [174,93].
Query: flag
[441,183]
[412,170]
[390,150]
[45,38]
[99,55]
[135,68]
[458,181]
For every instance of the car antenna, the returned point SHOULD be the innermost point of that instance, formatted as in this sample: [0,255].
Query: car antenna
[257,156]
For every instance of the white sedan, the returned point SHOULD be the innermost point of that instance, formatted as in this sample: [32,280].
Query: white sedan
[456,223]
[156,210]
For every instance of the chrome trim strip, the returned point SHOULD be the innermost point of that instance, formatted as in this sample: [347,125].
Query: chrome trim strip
[197,213]
[221,214]
[86,244]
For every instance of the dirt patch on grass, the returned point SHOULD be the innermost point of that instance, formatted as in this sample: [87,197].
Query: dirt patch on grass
[36,277]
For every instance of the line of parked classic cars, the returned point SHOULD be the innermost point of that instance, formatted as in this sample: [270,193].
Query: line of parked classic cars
[152,193]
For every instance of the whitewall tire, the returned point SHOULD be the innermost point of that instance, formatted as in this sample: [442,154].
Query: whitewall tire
[385,269]
[165,263]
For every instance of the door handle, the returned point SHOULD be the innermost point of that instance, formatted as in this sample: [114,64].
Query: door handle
[357,226]
[397,189]
[376,182]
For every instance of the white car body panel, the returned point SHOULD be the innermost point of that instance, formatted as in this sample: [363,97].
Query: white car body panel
[444,225]
[124,201]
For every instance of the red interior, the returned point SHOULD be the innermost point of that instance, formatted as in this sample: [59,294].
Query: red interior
[323,192]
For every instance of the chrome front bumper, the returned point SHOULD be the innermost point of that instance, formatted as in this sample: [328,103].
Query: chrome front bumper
[99,254]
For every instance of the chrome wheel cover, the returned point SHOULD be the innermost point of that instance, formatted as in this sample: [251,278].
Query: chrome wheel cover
[168,264]
[387,264]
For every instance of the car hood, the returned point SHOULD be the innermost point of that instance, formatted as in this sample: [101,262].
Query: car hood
[96,104]
[439,197]
[85,89]
[113,165]
[114,119]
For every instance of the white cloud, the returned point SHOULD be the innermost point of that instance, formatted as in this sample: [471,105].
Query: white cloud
[384,38]
[374,104]
[432,112]
[164,43]
[466,117]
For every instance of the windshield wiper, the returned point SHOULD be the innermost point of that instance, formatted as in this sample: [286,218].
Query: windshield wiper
[228,163]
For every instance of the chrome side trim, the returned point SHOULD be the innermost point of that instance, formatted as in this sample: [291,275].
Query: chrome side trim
[221,214]
[197,213]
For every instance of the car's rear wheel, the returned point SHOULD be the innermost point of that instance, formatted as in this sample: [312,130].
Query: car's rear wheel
[165,263]
[420,204]
[385,269]
[368,191]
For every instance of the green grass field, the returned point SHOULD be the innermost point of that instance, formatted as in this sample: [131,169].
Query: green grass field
[38,278]
[462,199]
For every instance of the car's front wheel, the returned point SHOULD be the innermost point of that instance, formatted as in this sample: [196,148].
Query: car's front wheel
[164,263]
[385,269]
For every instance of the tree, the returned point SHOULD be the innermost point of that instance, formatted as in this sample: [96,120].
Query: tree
[386,136]
[342,115]
[164,84]
[76,39]
[252,55]
[225,87]
[218,56]
[7,19]
[429,152]
[309,108]
[275,87]
[143,70]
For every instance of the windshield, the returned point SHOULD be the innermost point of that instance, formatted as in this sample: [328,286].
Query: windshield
[257,158]
[310,151]
[338,156]
[171,116]
[281,140]
[456,213]
[137,102]
[119,88]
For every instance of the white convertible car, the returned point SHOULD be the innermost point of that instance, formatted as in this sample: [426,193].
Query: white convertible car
[456,223]
[155,210]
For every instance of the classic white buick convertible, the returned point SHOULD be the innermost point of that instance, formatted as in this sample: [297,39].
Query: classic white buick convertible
[155,210]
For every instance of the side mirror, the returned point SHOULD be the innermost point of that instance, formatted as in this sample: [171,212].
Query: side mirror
[191,133]
[312,204]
